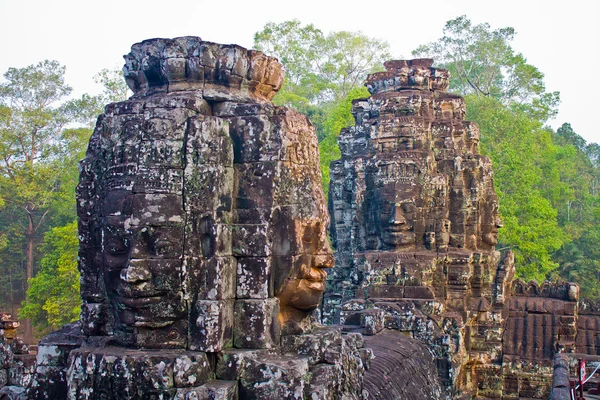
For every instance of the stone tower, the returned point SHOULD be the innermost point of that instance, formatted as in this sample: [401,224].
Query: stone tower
[415,223]
[203,243]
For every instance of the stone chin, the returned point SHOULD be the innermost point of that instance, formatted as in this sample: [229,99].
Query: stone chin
[302,294]
[490,238]
[398,239]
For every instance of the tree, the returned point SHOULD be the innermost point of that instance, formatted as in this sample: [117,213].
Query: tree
[36,161]
[114,87]
[482,62]
[578,210]
[53,295]
[320,70]
[519,147]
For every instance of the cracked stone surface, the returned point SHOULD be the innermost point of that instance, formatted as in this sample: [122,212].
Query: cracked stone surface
[415,221]
[203,242]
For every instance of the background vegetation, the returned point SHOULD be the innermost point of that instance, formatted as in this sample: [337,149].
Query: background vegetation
[548,181]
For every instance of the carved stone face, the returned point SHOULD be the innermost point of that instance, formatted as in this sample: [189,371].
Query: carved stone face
[396,220]
[142,246]
[305,282]
[490,224]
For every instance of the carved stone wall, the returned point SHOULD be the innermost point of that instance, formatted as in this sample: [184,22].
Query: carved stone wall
[414,226]
[17,361]
[541,321]
[588,328]
[203,242]
[415,222]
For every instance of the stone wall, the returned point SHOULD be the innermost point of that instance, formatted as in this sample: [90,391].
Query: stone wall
[541,321]
[414,226]
[203,243]
[17,361]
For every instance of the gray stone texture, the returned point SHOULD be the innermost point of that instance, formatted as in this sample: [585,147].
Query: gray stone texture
[202,227]
[415,221]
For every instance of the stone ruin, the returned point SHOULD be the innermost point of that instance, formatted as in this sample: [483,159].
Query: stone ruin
[17,360]
[415,221]
[203,243]
[204,252]
[540,321]
[414,224]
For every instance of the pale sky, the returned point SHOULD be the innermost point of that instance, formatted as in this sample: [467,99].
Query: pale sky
[561,38]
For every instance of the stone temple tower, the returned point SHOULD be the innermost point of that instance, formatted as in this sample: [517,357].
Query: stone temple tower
[415,222]
[203,243]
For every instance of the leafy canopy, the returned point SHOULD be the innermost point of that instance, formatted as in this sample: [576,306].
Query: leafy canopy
[482,62]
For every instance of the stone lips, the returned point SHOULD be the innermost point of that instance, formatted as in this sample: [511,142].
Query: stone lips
[188,63]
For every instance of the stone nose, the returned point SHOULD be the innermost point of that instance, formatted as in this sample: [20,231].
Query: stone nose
[397,217]
[137,271]
[323,261]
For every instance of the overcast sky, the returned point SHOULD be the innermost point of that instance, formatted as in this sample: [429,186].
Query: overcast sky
[561,38]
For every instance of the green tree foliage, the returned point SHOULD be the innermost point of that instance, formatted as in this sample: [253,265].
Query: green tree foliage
[38,175]
[53,295]
[519,148]
[578,211]
[323,74]
[482,62]
[339,118]
[320,68]
[32,116]
[114,87]
[33,171]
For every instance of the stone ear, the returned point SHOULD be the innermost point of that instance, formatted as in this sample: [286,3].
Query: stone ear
[276,216]
[206,229]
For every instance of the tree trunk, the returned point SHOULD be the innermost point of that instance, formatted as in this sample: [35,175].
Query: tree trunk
[30,241]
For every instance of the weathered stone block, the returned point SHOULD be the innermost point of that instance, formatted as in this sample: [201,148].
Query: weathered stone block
[209,189]
[418,292]
[236,109]
[22,370]
[231,362]
[257,188]
[275,377]
[211,278]
[209,142]
[256,324]
[212,390]
[314,345]
[95,319]
[191,370]
[212,330]
[49,383]
[250,241]
[255,139]
[323,384]
[373,320]
[254,278]
[386,291]
[3,377]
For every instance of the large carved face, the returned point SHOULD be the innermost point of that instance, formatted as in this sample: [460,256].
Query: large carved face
[300,279]
[392,208]
[490,223]
[142,246]
[396,219]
